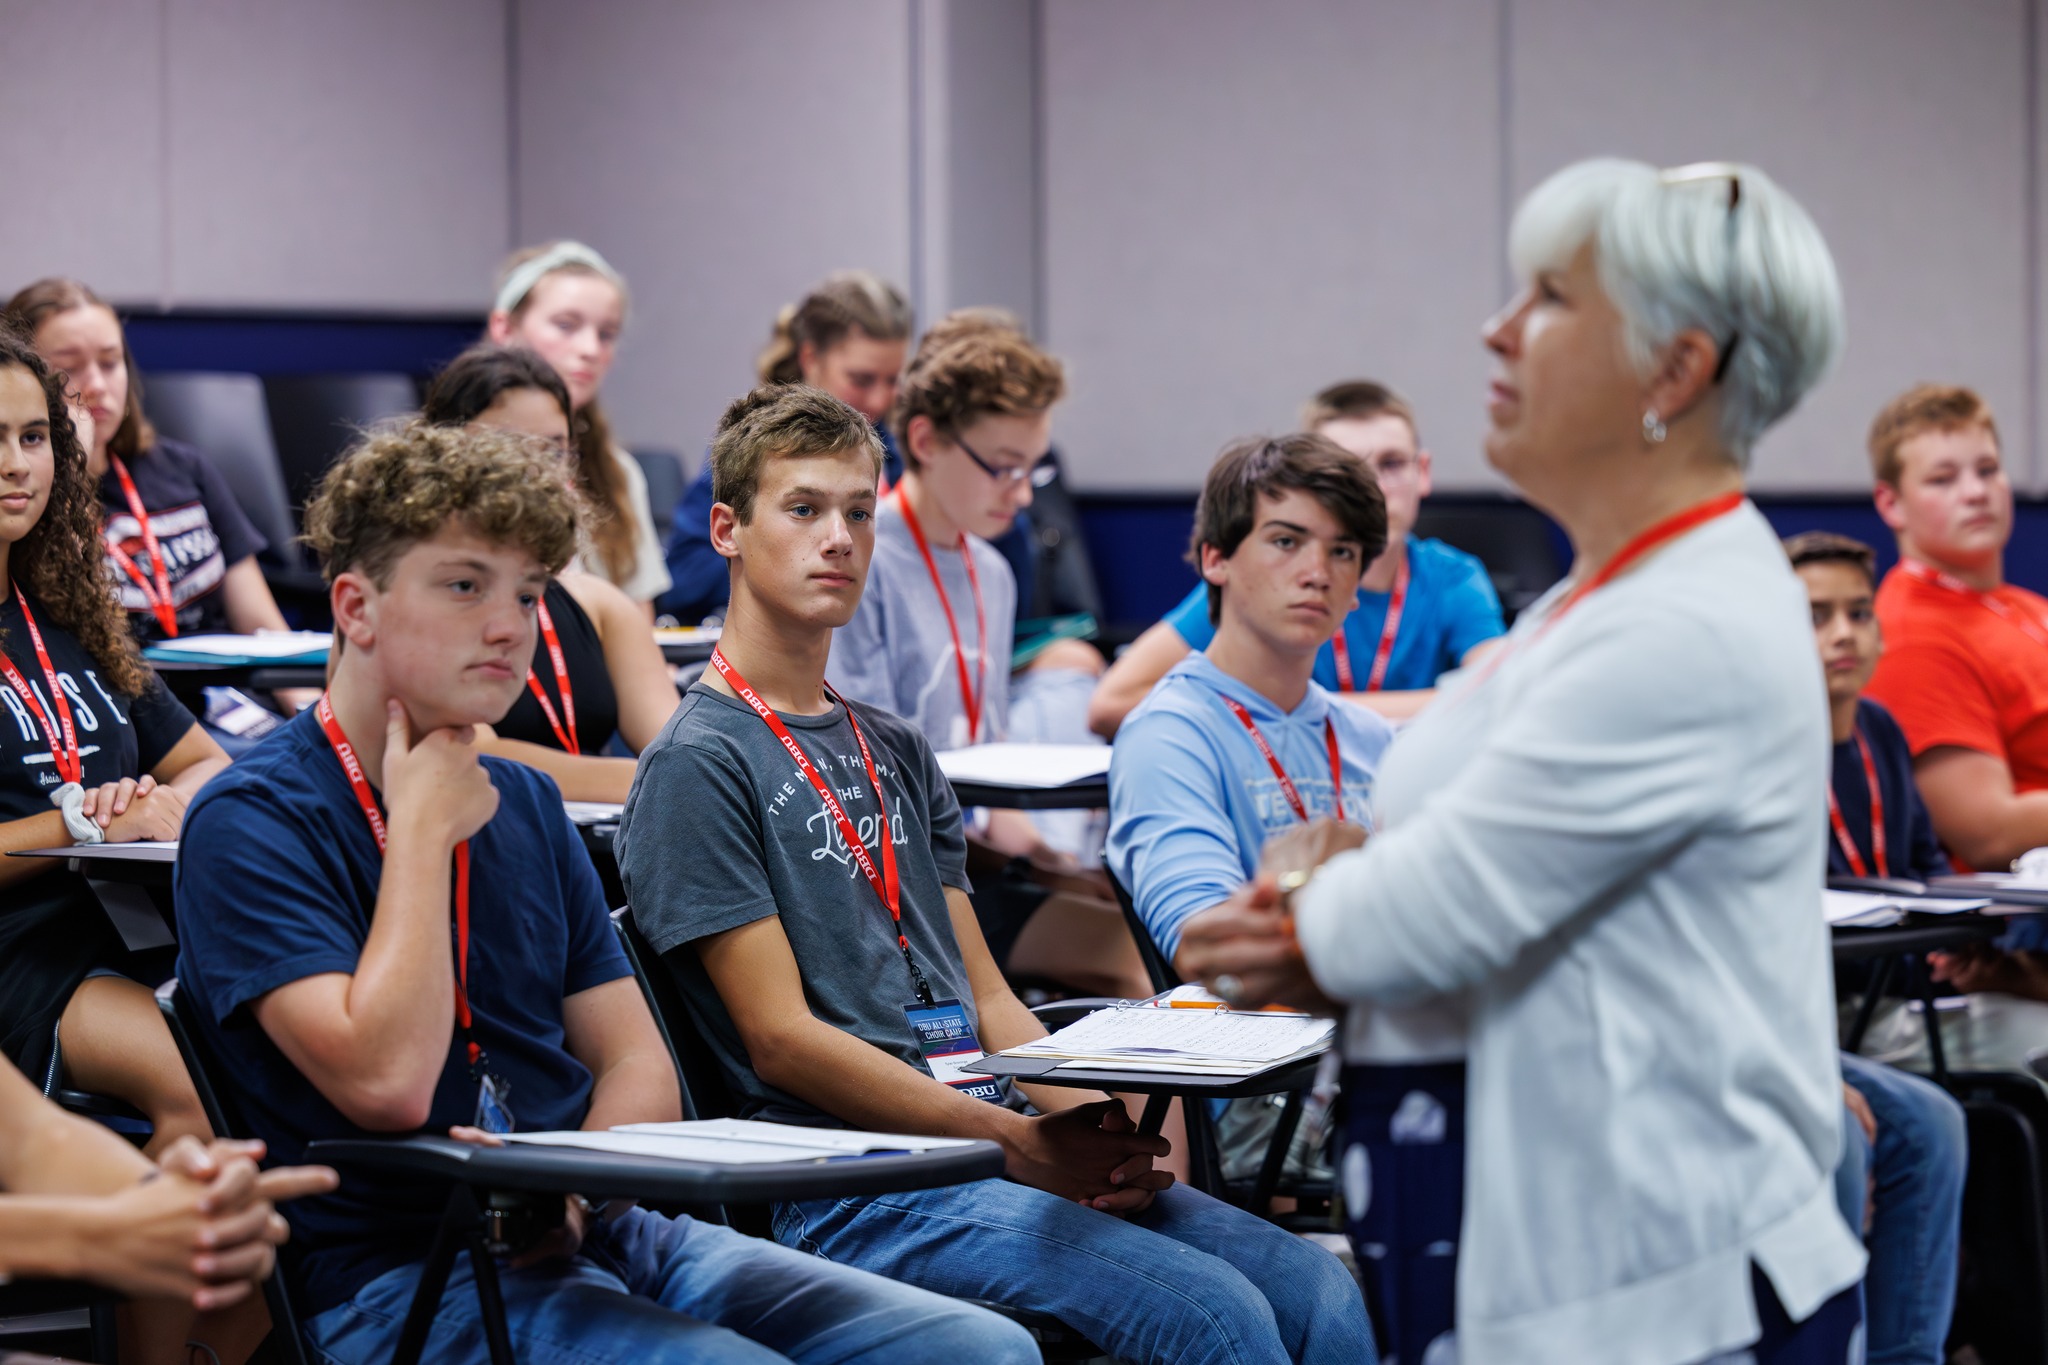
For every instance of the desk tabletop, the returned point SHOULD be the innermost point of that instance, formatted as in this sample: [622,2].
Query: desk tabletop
[1088,795]
[1275,1080]
[570,1170]
[1919,934]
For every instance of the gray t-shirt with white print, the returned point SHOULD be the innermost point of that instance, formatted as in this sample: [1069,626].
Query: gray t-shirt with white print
[897,651]
[721,829]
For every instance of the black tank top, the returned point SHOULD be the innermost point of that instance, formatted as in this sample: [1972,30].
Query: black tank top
[597,705]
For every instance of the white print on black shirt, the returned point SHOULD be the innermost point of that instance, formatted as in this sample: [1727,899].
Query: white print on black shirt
[35,744]
[829,842]
[191,550]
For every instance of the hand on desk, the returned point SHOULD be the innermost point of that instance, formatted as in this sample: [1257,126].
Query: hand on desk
[560,1242]
[1981,967]
[1092,1154]
[136,808]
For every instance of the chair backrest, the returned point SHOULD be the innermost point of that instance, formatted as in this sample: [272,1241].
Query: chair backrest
[1512,539]
[665,481]
[1066,581]
[315,417]
[705,1093]
[225,1117]
[1164,978]
[224,415]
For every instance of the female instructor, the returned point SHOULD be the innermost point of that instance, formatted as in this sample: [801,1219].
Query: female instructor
[1598,851]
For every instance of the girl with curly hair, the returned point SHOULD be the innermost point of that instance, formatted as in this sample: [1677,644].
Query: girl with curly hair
[93,749]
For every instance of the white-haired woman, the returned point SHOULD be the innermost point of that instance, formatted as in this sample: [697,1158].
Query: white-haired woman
[1599,850]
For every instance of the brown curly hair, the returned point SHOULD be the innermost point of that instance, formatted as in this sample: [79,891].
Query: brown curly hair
[61,562]
[987,370]
[399,486]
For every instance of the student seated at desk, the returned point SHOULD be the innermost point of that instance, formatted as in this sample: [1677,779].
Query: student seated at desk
[90,731]
[317,888]
[798,860]
[567,304]
[180,548]
[1906,1133]
[596,671]
[1423,608]
[932,635]
[188,1238]
[1238,743]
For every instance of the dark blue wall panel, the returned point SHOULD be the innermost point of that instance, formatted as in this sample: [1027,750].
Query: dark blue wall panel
[259,343]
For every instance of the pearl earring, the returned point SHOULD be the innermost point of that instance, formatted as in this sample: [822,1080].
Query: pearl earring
[1653,428]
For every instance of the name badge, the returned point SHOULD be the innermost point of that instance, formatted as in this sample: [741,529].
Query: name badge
[493,1114]
[947,1041]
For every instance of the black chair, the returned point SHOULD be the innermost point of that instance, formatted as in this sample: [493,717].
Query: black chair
[1065,580]
[2002,1293]
[1512,539]
[665,481]
[706,1095]
[287,1346]
[315,417]
[1205,1148]
[224,416]
[57,1318]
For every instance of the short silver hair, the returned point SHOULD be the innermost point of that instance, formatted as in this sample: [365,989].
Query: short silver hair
[1716,246]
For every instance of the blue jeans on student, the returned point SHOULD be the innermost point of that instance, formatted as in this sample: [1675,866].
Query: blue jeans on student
[660,1291]
[1189,1280]
[1919,1162]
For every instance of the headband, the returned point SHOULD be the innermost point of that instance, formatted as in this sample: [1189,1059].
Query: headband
[528,273]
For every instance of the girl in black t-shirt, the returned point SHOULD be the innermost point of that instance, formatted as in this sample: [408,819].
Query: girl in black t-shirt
[92,748]
[616,678]
[181,549]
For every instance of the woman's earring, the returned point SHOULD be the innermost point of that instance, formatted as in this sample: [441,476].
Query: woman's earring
[1653,428]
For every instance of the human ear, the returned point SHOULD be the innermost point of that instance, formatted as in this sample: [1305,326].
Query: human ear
[1684,375]
[500,327]
[1215,566]
[353,599]
[1886,498]
[725,530]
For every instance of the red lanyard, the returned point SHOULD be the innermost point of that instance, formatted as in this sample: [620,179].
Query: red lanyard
[157,593]
[63,738]
[564,726]
[1672,527]
[883,881]
[1877,853]
[1389,628]
[352,767]
[1287,788]
[970,697]
[2035,629]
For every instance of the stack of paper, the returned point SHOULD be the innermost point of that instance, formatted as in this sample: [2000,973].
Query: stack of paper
[737,1142]
[1863,910]
[1194,997]
[1026,765]
[593,812]
[1210,1042]
[268,647]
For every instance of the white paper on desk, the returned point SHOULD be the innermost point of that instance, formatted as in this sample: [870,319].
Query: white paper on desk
[1026,765]
[687,635]
[593,812]
[136,851]
[838,1141]
[1195,1035]
[1860,910]
[270,644]
[675,1148]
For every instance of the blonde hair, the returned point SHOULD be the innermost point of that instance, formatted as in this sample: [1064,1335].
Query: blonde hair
[613,525]
[848,301]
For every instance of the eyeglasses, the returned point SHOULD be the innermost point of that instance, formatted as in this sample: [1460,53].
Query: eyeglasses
[1716,170]
[1006,474]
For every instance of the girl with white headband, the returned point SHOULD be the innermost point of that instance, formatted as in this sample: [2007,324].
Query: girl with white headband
[564,302]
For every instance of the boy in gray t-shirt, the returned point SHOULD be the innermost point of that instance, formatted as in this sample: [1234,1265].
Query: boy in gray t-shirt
[765,860]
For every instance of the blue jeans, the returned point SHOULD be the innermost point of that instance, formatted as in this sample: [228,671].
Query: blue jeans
[1919,1161]
[659,1291]
[1187,1281]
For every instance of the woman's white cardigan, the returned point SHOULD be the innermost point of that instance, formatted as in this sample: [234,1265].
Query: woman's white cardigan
[1607,853]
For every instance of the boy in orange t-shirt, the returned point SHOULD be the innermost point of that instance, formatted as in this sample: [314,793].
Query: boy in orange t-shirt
[1965,668]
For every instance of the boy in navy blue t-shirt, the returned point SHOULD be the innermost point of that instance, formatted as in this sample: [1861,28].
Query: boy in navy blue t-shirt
[315,891]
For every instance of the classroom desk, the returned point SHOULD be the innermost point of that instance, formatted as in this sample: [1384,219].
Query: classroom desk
[132,882]
[1088,794]
[1905,946]
[597,1175]
[188,681]
[686,644]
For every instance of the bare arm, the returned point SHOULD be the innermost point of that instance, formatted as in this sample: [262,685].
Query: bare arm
[640,677]
[376,1040]
[191,762]
[1137,670]
[609,1030]
[247,597]
[45,1150]
[582,777]
[1976,812]
[151,809]
[1005,1022]
[1073,1153]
